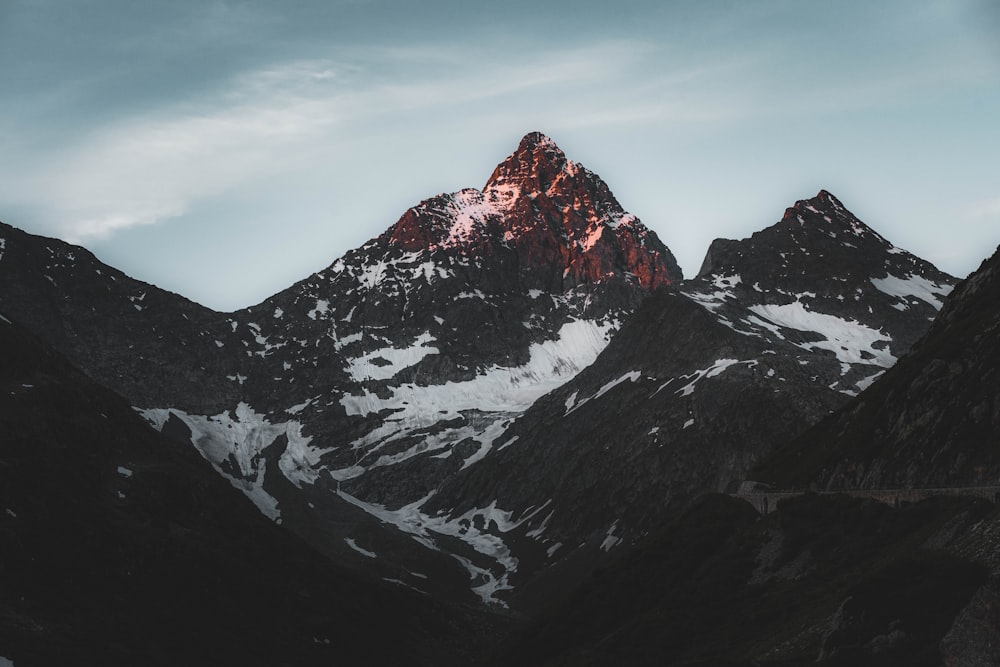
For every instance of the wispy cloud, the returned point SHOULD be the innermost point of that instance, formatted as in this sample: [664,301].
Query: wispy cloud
[155,166]
[293,116]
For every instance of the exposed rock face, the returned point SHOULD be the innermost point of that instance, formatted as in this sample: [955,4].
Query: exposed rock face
[932,421]
[419,399]
[820,255]
[367,384]
[778,331]
[121,547]
[146,343]
[835,582]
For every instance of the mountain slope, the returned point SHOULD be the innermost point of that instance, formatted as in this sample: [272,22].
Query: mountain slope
[826,579]
[697,386]
[830,581]
[366,385]
[932,421]
[120,547]
[121,331]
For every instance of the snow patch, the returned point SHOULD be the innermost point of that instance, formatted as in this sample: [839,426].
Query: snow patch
[237,439]
[364,552]
[715,369]
[390,360]
[321,308]
[849,340]
[631,376]
[610,540]
[912,286]
[507,389]
[471,527]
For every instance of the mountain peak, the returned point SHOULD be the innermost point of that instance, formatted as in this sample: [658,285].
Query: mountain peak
[826,213]
[533,140]
[560,218]
[530,170]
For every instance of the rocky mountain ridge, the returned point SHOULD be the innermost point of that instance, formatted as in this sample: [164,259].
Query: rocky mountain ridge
[121,547]
[700,383]
[930,422]
[420,403]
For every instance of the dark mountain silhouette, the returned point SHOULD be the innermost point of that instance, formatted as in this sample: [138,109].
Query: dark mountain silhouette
[121,547]
[509,404]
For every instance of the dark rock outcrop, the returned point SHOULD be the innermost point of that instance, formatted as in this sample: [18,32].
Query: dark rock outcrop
[932,421]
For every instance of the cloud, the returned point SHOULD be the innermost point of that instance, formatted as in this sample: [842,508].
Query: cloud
[294,115]
[301,115]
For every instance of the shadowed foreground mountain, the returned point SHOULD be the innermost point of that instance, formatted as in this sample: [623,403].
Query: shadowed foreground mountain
[826,580]
[507,406]
[830,581]
[933,420]
[119,547]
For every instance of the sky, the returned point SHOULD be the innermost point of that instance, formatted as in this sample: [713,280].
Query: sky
[224,150]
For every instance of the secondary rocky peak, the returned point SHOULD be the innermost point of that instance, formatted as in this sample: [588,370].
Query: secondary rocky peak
[825,212]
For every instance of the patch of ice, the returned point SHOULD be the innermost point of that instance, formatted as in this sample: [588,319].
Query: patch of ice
[631,376]
[508,443]
[321,308]
[724,290]
[551,364]
[486,440]
[364,552]
[864,383]
[715,369]
[849,340]
[362,369]
[571,402]
[770,326]
[470,211]
[471,527]
[340,343]
[912,286]
[296,409]
[238,438]
[610,540]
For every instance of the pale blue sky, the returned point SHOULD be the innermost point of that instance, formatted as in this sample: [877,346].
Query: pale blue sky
[224,150]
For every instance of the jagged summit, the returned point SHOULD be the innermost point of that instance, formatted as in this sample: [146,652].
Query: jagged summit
[825,213]
[820,228]
[530,170]
[822,270]
[561,219]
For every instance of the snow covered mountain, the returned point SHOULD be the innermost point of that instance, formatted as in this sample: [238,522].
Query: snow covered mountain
[775,333]
[442,407]
[931,421]
[824,578]
[121,547]
[368,384]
